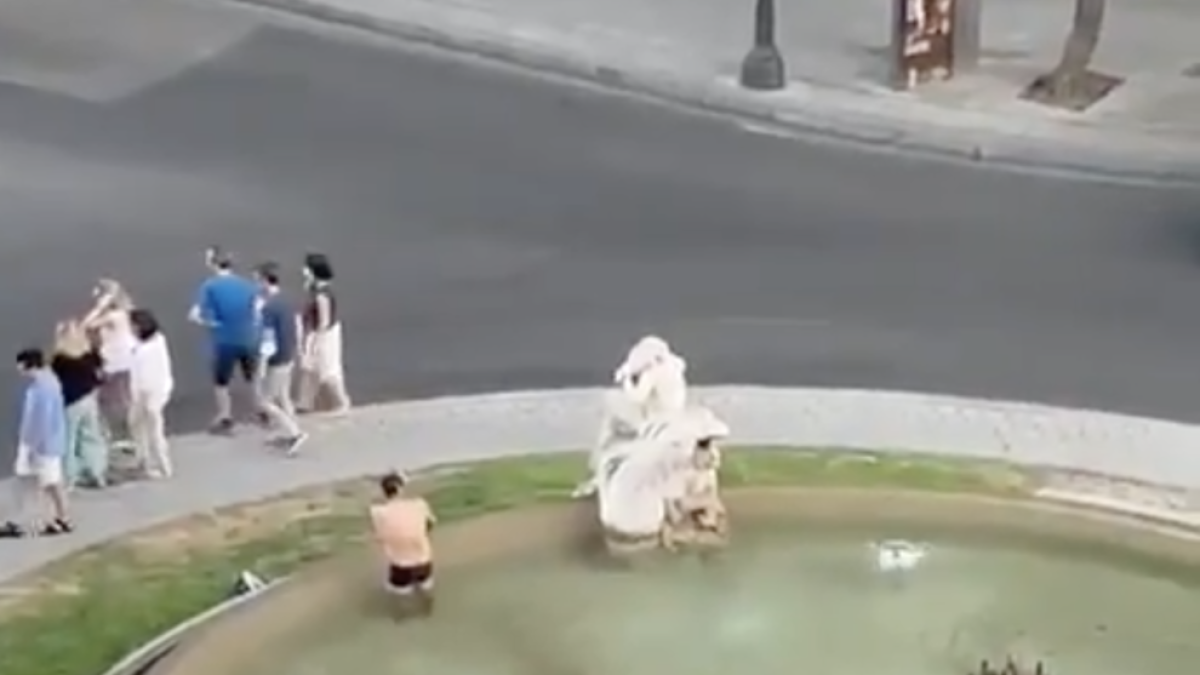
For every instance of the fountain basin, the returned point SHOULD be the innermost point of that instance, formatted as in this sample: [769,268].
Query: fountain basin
[529,591]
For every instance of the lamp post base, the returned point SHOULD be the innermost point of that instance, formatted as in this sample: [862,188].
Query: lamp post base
[763,70]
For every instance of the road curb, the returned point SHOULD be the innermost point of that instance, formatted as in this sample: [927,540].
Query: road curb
[1080,157]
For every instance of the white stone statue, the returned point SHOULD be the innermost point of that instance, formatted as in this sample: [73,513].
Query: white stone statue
[661,487]
[651,383]
[653,378]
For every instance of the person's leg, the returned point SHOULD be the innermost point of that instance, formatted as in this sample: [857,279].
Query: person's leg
[116,404]
[160,451]
[406,583]
[50,479]
[398,586]
[123,408]
[281,390]
[330,373]
[306,391]
[93,450]
[276,402]
[246,364]
[18,522]
[424,589]
[73,459]
[141,433]
[262,399]
[339,399]
[224,362]
[24,488]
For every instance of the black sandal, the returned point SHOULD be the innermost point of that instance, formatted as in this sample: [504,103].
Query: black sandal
[56,527]
[11,530]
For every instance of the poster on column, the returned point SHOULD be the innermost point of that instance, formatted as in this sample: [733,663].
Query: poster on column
[923,41]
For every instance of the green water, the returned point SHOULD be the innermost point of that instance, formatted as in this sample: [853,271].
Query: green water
[786,601]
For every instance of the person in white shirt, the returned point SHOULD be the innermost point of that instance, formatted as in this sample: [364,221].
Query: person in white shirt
[109,321]
[151,385]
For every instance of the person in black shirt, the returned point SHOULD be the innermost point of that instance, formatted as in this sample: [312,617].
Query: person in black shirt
[79,369]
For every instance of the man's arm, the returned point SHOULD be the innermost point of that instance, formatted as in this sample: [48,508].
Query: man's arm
[430,518]
[374,525]
[201,312]
[33,422]
[98,314]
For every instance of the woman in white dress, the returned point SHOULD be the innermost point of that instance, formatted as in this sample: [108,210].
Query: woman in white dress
[322,376]
[109,321]
[152,382]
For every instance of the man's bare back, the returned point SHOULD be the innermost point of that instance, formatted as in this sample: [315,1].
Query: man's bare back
[401,526]
[402,530]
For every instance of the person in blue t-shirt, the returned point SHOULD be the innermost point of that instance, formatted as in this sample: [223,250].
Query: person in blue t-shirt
[228,305]
[278,348]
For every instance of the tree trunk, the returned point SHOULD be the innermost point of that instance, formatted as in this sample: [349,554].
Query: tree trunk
[1071,74]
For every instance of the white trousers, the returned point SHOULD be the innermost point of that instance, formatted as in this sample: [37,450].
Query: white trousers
[275,397]
[148,420]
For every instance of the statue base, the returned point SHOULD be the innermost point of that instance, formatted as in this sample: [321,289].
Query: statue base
[621,544]
[671,538]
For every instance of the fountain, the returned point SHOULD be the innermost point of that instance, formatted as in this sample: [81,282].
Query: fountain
[654,468]
[661,488]
[650,385]
[782,597]
[821,580]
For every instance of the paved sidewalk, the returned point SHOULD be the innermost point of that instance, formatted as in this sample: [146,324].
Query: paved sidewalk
[690,51]
[219,472]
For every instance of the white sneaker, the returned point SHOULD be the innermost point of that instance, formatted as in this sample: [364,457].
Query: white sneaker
[291,446]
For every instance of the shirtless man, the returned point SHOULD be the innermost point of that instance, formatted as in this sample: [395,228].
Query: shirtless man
[401,524]
[699,508]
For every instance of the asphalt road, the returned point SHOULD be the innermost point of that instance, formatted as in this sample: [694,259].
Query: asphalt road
[494,231]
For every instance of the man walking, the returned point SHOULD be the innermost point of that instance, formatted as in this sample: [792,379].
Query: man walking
[227,304]
[280,334]
[42,441]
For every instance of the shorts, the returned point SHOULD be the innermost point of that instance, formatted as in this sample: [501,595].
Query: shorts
[403,580]
[275,383]
[230,358]
[47,470]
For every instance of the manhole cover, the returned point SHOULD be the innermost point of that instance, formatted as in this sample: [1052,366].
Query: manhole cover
[1192,71]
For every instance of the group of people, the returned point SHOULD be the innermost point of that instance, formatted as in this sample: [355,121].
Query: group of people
[105,384]
[257,331]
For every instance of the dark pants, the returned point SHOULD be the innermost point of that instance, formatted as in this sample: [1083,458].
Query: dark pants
[230,358]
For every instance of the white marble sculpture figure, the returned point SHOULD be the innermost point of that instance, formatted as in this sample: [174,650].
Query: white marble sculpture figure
[651,383]
[646,475]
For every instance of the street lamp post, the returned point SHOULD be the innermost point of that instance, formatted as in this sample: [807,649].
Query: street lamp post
[763,68]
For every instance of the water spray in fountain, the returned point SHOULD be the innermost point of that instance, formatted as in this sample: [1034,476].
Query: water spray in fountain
[898,555]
